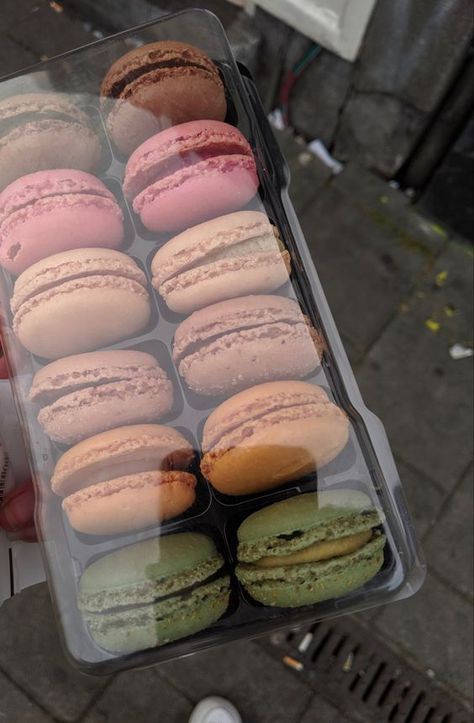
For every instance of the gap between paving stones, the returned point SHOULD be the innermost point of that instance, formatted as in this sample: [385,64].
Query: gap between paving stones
[27,694]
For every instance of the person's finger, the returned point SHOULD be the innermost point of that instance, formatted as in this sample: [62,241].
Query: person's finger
[17,511]
[3,365]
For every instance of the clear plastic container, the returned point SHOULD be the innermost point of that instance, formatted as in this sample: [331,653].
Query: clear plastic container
[159,601]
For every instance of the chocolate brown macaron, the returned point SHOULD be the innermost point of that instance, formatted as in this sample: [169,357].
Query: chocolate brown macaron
[125,479]
[159,85]
[271,434]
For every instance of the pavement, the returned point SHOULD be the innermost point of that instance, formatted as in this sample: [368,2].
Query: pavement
[400,289]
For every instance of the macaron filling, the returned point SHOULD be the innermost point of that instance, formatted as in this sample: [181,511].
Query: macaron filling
[12,121]
[246,324]
[246,254]
[161,161]
[163,621]
[59,386]
[62,278]
[119,88]
[148,591]
[324,550]
[265,413]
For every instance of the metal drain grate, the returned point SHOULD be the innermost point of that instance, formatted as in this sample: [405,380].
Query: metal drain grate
[363,677]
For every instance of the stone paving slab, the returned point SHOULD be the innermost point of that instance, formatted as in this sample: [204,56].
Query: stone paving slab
[449,546]
[32,655]
[15,707]
[140,696]
[364,269]
[435,628]
[13,57]
[319,711]
[261,688]
[424,498]
[409,379]
[35,25]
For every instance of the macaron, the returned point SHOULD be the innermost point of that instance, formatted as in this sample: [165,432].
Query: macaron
[159,85]
[154,592]
[190,173]
[310,548]
[85,394]
[47,212]
[239,342]
[40,131]
[233,255]
[125,479]
[271,434]
[79,300]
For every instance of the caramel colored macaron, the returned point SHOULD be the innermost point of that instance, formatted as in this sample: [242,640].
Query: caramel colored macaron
[159,85]
[271,434]
[125,479]
[239,342]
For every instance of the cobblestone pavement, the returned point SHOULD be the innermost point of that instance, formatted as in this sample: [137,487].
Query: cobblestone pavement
[400,289]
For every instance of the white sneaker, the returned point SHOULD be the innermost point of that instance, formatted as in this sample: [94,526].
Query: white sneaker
[215,710]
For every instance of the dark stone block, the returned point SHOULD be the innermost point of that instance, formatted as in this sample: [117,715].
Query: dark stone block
[413,50]
[449,547]
[140,696]
[31,654]
[261,687]
[379,131]
[318,96]
[448,196]
[435,627]
[423,396]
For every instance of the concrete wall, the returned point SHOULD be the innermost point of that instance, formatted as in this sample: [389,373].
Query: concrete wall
[373,111]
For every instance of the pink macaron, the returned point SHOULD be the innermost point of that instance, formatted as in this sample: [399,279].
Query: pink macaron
[190,173]
[47,212]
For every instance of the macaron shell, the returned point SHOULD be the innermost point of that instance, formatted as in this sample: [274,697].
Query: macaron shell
[80,371]
[149,626]
[280,454]
[89,411]
[309,583]
[118,452]
[81,315]
[226,279]
[209,188]
[44,144]
[57,224]
[130,503]
[193,245]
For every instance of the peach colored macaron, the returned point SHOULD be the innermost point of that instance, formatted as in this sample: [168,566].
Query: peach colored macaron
[125,479]
[79,300]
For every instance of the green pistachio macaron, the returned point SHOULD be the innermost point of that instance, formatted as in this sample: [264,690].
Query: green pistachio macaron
[310,548]
[154,592]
